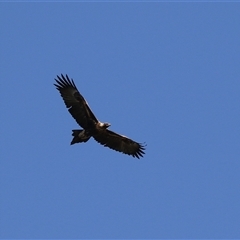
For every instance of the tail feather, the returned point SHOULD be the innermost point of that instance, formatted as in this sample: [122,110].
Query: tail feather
[79,136]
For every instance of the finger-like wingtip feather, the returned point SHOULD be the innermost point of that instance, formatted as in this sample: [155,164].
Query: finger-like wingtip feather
[64,81]
[140,152]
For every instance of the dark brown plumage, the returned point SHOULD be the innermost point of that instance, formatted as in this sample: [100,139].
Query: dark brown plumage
[80,111]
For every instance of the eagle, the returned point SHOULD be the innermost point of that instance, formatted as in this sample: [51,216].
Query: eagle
[92,127]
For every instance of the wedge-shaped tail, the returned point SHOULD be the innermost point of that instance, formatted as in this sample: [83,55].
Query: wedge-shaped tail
[79,136]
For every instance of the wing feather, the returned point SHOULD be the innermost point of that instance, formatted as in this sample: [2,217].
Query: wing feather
[75,102]
[119,143]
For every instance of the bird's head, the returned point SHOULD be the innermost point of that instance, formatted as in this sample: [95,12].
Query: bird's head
[105,125]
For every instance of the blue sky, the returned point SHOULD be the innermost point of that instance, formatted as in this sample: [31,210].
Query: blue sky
[162,73]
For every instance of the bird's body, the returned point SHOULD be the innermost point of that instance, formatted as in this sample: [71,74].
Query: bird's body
[80,111]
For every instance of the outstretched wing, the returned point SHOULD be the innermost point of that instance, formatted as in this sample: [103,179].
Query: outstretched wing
[74,101]
[119,143]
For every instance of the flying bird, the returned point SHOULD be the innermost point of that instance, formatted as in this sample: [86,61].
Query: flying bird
[92,127]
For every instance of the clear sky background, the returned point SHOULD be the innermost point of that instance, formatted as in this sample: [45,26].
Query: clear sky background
[166,74]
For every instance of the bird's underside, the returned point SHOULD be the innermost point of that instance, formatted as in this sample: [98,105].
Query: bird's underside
[81,112]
